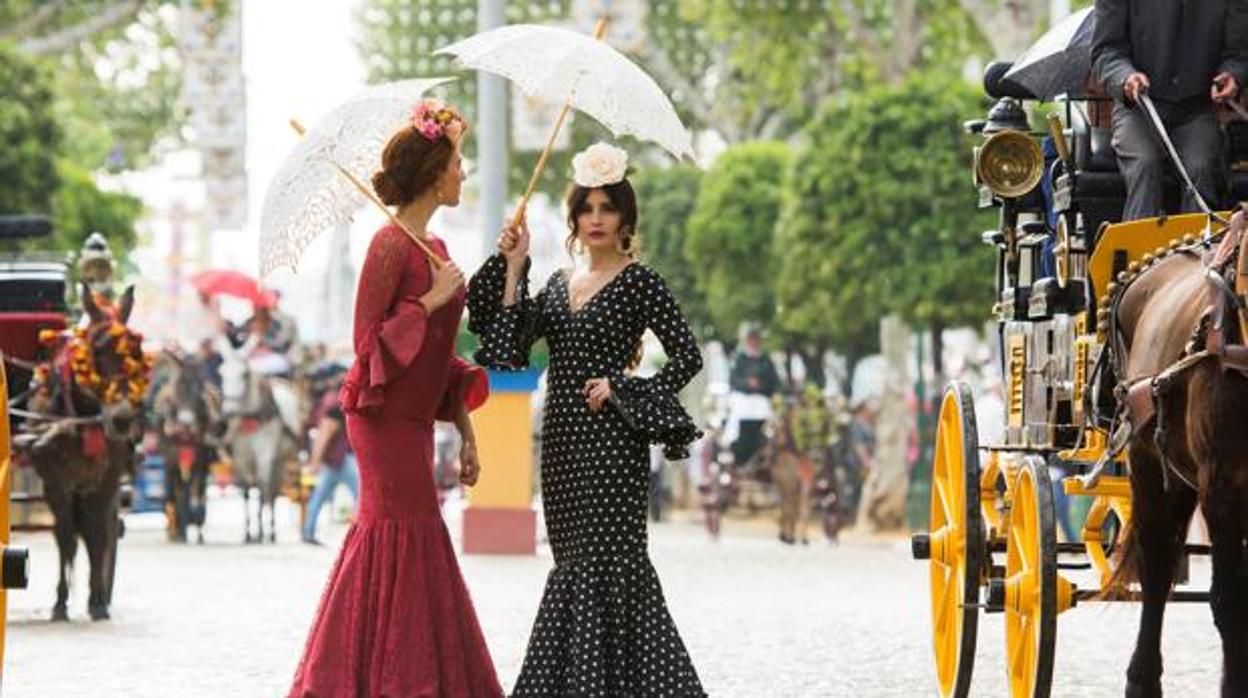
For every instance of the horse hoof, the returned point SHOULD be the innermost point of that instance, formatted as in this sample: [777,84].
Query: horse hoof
[98,612]
[60,614]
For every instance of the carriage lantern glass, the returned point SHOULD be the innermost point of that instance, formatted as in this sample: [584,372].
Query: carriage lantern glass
[1009,163]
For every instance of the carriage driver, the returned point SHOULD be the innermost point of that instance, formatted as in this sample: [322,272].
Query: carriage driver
[1183,54]
[95,265]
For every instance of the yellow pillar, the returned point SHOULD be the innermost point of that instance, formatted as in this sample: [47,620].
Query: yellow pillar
[14,562]
[500,517]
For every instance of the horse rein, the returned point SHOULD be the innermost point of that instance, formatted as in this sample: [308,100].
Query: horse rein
[1155,119]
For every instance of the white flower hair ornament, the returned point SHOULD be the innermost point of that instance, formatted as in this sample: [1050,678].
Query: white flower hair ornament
[599,165]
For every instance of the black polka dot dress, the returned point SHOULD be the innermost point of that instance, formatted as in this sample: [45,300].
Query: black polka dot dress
[603,629]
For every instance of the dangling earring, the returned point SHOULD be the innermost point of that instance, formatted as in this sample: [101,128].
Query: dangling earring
[625,244]
[437,192]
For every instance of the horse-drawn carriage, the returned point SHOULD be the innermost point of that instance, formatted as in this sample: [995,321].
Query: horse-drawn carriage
[75,407]
[1073,284]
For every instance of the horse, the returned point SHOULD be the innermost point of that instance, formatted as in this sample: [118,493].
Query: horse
[262,421]
[1181,369]
[81,439]
[187,412]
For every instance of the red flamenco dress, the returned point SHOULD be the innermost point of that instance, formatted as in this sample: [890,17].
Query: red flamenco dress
[396,620]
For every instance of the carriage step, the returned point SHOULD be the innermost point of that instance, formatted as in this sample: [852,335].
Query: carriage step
[921,546]
[1074,565]
[25,498]
[31,528]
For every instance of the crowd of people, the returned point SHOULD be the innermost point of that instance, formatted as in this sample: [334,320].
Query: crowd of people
[794,450]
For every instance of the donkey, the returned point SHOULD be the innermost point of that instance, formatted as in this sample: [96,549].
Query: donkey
[260,436]
[1182,371]
[187,412]
[83,441]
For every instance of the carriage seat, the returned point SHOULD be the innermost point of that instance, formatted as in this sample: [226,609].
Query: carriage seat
[1097,163]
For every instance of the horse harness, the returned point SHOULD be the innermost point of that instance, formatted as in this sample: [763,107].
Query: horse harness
[1140,402]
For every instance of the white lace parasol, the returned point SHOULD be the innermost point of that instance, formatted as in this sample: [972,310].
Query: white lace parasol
[561,65]
[309,194]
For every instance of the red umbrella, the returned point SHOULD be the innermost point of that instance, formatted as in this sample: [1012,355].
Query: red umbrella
[227,282]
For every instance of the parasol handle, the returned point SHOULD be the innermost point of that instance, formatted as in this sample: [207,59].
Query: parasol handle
[1059,141]
[436,260]
[600,30]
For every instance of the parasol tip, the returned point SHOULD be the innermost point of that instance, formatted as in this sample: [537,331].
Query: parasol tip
[299,129]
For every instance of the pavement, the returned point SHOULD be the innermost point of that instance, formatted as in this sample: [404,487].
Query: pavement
[759,619]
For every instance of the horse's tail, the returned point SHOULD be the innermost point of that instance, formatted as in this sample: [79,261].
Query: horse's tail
[1126,567]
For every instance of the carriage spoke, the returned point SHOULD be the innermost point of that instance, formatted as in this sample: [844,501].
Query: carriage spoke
[1019,659]
[951,446]
[945,504]
[947,601]
[1020,544]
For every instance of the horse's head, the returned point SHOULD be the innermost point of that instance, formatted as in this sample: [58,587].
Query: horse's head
[107,361]
[182,401]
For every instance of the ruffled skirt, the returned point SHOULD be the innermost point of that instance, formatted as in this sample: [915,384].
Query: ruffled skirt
[603,631]
[396,620]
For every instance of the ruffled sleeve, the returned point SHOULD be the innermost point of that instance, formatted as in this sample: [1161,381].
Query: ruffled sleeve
[507,333]
[467,386]
[650,405]
[388,332]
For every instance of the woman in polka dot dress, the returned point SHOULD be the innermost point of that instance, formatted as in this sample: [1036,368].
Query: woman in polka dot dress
[603,628]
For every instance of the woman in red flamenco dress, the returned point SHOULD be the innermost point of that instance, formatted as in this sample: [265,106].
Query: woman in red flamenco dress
[396,620]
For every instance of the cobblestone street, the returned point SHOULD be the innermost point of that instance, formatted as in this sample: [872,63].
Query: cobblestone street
[759,619]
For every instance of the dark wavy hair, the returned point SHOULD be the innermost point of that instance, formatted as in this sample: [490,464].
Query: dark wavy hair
[411,164]
[622,197]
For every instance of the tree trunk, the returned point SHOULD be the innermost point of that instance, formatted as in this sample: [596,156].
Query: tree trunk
[813,361]
[788,368]
[852,359]
[69,37]
[938,358]
[883,506]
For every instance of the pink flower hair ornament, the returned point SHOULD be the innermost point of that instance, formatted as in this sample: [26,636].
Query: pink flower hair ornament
[434,119]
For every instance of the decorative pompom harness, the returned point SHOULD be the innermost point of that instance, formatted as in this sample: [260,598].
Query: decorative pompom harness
[74,360]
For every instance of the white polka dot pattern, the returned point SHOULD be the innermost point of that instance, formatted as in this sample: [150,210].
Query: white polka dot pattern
[603,629]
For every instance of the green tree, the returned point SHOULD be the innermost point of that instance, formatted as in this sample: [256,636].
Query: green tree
[114,103]
[82,208]
[729,238]
[666,197]
[118,74]
[30,133]
[36,178]
[879,216]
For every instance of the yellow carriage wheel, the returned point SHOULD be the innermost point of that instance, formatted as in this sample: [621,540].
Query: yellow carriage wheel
[1031,603]
[955,542]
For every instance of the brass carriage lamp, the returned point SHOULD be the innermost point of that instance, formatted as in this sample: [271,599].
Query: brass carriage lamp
[1009,161]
